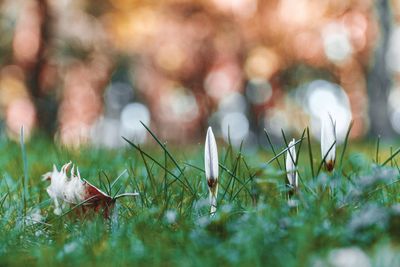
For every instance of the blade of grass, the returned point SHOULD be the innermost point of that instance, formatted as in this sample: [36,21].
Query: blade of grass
[193,166]
[282,152]
[137,186]
[149,174]
[164,147]
[237,169]
[117,179]
[251,177]
[310,153]
[156,162]
[391,153]
[346,140]
[102,184]
[25,169]
[165,177]
[70,210]
[3,199]
[326,155]
[233,176]
[126,195]
[300,144]
[272,147]
[377,150]
[241,188]
[391,157]
[108,182]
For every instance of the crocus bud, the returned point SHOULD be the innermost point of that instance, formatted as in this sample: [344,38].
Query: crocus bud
[328,141]
[291,165]
[211,168]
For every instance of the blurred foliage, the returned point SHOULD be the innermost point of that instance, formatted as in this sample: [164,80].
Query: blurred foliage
[196,63]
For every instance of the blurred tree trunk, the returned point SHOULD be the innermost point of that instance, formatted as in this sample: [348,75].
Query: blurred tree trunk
[45,103]
[379,79]
[41,55]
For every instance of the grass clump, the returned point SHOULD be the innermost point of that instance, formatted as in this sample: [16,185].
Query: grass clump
[352,211]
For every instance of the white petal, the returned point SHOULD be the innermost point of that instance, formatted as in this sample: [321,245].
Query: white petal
[73,171]
[291,164]
[328,138]
[47,176]
[78,173]
[57,182]
[62,188]
[213,200]
[57,211]
[74,191]
[211,156]
[213,209]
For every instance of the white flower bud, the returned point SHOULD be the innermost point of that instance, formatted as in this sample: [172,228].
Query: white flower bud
[328,141]
[211,168]
[291,164]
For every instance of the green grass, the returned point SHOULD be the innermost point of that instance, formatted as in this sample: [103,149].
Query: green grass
[168,224]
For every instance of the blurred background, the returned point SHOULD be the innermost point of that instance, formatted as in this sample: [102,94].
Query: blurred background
[85,71]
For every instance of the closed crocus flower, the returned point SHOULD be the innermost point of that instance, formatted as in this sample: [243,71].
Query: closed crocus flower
[291,165]
[211,168]
[328,141]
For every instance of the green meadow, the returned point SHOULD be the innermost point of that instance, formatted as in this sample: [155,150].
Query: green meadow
[348,216]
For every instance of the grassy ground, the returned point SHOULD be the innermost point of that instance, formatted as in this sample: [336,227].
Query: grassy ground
[351,214]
